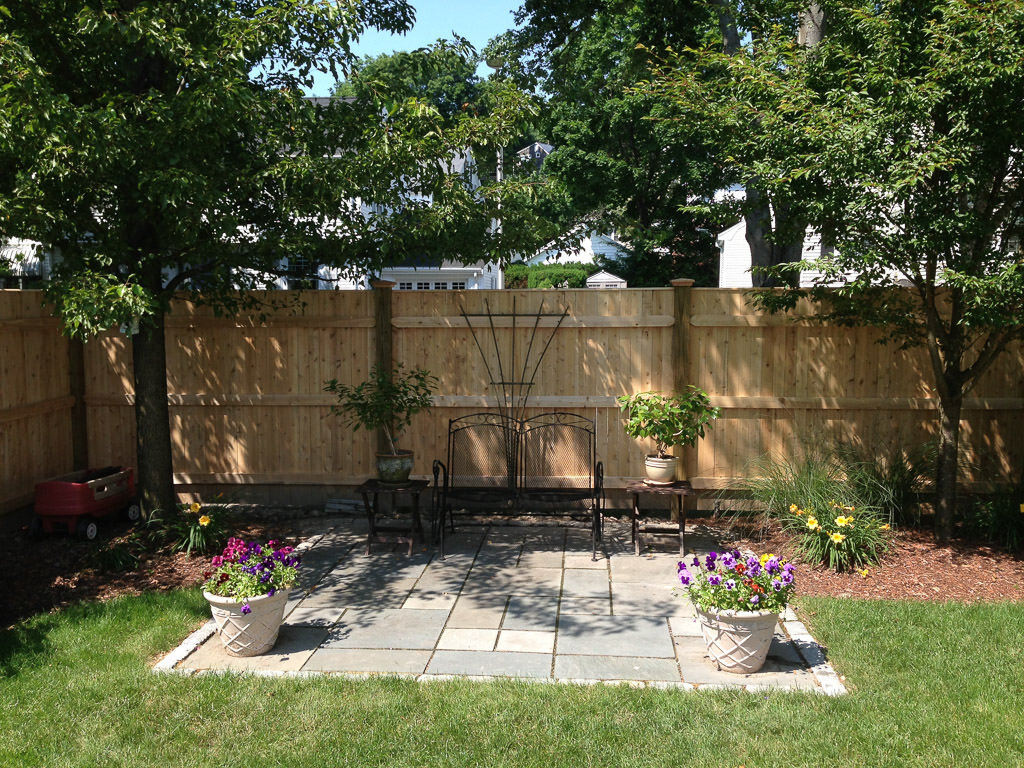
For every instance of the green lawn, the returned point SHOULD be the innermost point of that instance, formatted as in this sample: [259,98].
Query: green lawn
[931,685]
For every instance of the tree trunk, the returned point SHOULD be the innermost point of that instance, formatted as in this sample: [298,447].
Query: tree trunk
[152,418]
[812,25]
[946,475]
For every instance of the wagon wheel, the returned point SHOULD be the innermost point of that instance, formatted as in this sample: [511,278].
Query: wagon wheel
[86,529]
[134,512]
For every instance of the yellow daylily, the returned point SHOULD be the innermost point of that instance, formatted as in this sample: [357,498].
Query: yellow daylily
[794,507]
[837,537]
[195,507]
[884,527]
[864,573]
[841,521]
[812,523]
[204,520]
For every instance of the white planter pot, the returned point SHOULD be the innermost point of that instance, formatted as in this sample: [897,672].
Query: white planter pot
[661,470]
[738,641]
[252,633]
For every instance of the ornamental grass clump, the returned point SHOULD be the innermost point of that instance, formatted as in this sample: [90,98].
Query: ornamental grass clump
[247,570]
[732,581]
[842,537]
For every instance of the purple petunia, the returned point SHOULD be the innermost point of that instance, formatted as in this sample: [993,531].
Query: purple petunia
[246,609]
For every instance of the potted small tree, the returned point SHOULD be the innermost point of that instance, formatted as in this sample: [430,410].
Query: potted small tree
[677,419]
[387,400]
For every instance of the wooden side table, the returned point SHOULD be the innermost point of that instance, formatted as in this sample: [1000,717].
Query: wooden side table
[371,491]
[678,490]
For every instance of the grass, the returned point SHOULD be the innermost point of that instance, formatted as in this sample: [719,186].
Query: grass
[932,685]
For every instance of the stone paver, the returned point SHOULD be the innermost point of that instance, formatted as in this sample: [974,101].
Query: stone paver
[387,628]
[507,601]
[491,664]
[614,636]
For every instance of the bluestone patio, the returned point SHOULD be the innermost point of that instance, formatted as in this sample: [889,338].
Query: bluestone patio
[509,600]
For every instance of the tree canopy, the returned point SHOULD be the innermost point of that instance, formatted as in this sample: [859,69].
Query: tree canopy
[161,146]
[625,160]
[898,136]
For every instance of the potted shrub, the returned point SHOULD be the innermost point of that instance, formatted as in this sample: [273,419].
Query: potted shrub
[738,600]
[677,419]
[247,591]
[387,400]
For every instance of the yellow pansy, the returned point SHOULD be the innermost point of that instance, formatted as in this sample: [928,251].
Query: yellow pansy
[837,537]
[195,507]
[812,523]
[204,520]
[766,557]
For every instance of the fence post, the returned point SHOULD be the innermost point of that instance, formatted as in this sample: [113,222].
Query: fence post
[76,387]
[682,375]
[383,338]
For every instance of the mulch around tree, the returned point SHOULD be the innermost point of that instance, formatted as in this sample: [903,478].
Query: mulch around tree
[56,571]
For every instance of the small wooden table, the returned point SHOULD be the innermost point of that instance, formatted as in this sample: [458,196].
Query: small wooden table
[678,490]
[371,490]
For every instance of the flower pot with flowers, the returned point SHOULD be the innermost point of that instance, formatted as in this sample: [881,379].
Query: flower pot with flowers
[677,419]
[247,591]
[738,600]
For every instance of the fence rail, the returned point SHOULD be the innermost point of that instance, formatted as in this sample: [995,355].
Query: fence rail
[248,409]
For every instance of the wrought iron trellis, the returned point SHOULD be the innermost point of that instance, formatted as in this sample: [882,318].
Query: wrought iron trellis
[513,394]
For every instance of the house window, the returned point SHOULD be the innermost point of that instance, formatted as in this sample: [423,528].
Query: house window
[440,286]
[302,273]
[459,285]
[423,286]
[404,286]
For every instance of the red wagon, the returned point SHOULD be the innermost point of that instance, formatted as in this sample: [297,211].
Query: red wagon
[75,502]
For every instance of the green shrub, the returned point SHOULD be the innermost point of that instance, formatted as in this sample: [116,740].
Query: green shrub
[998,518]
[192,528]
[833,520]
[892,480]
[842,536]
[548,275]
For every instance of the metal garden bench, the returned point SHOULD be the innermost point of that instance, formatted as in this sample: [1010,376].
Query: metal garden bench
[542,464]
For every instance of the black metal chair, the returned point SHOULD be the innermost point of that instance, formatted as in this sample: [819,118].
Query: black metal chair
[558,467]
[480,472]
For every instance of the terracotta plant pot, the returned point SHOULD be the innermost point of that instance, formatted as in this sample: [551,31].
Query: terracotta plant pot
[738,641]
[252,633]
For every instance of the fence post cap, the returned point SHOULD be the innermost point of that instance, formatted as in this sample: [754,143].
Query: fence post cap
[377,282]
[682,282]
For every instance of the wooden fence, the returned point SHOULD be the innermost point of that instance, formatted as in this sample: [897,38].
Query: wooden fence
[248,410]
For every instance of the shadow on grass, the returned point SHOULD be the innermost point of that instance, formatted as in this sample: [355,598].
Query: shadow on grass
[102,626]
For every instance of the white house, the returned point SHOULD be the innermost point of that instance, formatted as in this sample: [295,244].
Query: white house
[22,261]
[604,279]
[734,257]
[588,246]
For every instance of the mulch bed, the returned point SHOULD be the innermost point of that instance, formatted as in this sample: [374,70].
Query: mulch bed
[51,573]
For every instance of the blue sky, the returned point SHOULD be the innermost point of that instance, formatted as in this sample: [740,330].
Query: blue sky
[476,20]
